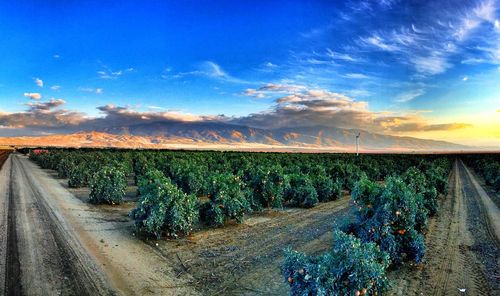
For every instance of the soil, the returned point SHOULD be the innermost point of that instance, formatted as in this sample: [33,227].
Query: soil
[93,248]
[462,249]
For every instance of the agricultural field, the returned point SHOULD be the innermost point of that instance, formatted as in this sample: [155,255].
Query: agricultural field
[144,222]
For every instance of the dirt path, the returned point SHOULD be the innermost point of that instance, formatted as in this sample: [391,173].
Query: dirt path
[461,253]
[42,255]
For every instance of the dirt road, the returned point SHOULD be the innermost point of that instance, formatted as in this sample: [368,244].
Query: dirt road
[462,246]
[40,253]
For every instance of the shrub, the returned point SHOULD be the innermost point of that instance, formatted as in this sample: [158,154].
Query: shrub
[267,184]
[397,222]
[353,174]
[189,176]
[107,185]
[300,191]
[163,208]
[227,200]
[437,176]
[417,181]
[349,268]
[325,187]
[365,193]
[79,175]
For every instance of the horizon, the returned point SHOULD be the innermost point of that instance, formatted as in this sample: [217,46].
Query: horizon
[401,68]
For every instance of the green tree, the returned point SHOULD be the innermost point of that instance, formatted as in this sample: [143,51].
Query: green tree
[108,185]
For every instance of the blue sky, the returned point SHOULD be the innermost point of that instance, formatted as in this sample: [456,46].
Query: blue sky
[426,69]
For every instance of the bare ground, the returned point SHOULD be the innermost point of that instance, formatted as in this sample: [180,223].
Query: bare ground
[462,252]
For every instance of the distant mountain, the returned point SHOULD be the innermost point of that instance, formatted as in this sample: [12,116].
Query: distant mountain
[224,135]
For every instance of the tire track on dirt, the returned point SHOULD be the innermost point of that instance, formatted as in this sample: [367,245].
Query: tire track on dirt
[443,276]
[12,267]
[43,256]
[490,228]
[485,246]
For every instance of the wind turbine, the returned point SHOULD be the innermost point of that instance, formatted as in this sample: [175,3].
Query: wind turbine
[357,143]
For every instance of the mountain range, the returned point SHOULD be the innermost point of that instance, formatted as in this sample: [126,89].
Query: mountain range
[229,136]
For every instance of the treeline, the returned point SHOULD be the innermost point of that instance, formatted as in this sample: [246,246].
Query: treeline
[218,185]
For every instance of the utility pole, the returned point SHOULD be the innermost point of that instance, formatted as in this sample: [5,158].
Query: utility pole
[357,143]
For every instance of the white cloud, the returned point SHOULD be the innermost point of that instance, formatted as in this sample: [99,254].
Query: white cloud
[39,82]
[465,78]
[410,95]
[55,87]
[356,76]
[434,64]
[97,90]
[340,56]
[379,43]
[107,73]
[33,96]
[211,70]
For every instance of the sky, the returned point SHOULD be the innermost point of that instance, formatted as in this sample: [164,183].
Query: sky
[428,69]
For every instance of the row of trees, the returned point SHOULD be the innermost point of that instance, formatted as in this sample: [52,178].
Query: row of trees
[224,185]
[390,227]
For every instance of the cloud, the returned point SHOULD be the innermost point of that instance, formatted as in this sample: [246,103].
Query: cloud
[107,73]
[273,88]
[294,106]
[127,116]
[319,107]
[211,70]
[380,43]
[43,116]
[434,64]
[43,106]
[270,65]
[39,82]
[422,127]
[356,76]
[410,95]
[33,96]
[55,87]
[465,78]
[97,90]
[340,56]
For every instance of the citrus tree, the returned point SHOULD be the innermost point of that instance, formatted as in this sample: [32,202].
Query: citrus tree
[300,191]
[267,183]
[107,185]
[227,200]
[395,221]
[350,267]
[163,208]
